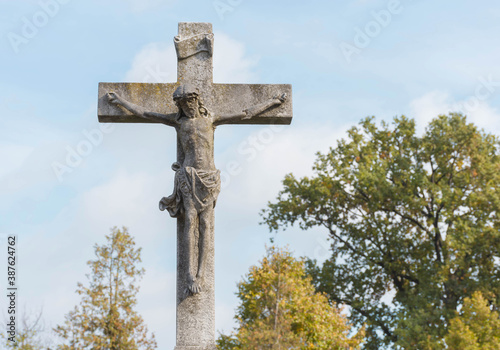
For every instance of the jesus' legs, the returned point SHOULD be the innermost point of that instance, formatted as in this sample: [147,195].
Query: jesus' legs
[190,228]
[203,223]
[206,220]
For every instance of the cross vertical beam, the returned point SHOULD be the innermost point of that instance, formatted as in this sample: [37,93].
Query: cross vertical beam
[194,46]
[195,316]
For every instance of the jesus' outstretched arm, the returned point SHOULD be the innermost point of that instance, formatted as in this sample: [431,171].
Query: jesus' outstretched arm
[250,112]
[168,119]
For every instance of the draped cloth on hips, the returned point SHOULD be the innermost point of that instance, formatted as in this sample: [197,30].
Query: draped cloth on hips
[202,186]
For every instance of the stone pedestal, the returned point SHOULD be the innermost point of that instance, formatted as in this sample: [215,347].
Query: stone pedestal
[195,313]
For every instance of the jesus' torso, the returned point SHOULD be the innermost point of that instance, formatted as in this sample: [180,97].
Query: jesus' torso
[197,141]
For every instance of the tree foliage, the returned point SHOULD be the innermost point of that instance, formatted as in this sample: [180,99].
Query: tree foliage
[477,327]
[105,318]
[279,309]
[412,216]
[30,333]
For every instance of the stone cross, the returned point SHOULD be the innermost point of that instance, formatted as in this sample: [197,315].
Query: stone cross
[194,105]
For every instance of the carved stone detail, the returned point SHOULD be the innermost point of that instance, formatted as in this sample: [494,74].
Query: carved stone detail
[187,47]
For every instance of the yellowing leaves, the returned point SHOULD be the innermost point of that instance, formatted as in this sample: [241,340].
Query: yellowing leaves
[477,327]
[280,309]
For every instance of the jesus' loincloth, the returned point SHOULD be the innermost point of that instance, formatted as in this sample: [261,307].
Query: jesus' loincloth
[202,186]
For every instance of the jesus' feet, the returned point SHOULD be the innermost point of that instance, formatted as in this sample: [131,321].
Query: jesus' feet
[195,287]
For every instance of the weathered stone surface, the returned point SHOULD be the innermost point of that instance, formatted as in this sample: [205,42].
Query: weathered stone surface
[157,97]
[220,99]
[197,69]
[198,108]
[187,47]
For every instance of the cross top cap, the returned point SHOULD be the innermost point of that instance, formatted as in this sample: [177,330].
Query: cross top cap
[185,91]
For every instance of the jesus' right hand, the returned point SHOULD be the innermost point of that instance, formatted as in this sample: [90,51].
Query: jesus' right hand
[113,98]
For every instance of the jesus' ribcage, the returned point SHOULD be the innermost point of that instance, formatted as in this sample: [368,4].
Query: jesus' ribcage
[196,136]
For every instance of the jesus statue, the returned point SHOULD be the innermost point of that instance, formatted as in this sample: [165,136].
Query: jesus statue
[197,181]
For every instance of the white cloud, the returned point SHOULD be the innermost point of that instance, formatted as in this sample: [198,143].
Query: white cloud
[434,103]
[428,107]
[157,62]
[231,64]
[269,153]
[127,192]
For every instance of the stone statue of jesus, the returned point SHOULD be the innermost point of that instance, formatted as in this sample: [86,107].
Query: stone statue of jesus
[197,181]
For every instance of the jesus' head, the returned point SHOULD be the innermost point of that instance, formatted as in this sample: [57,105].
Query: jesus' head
[187,99]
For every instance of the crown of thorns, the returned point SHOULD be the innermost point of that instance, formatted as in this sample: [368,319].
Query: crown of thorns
[184,91]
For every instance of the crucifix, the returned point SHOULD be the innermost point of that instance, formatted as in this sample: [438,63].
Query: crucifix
[194,106]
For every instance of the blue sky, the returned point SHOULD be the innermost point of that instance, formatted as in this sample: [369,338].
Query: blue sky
[345,59]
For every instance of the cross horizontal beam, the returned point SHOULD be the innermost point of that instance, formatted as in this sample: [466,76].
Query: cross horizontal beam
[220,99]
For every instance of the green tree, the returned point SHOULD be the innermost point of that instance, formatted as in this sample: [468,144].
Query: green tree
[415,216]
[279,309]
[105,318]
[477,327]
